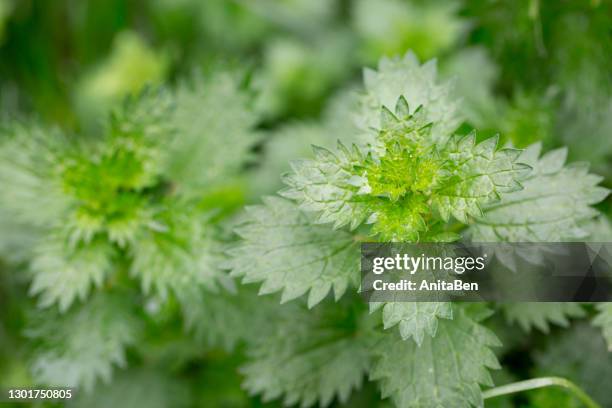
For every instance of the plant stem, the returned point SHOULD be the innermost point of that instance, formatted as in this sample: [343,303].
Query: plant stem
[540,383]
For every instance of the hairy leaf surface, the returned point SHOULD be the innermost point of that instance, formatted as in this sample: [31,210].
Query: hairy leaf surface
[397,77]
[555,199]
[62,274]
[83,345]
[309,357]
[216,132]
[444,371]
[285,250]
[326,185]
[415,319]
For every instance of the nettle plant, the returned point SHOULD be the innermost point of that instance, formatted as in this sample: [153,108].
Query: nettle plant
[407,177]
[121,235]
[117,231]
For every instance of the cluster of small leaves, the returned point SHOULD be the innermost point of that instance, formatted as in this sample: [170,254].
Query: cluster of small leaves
[407,181]
[120,209]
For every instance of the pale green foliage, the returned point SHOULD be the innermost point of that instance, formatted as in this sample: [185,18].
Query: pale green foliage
[309,357]
[273,234]
[135,136]
[82,345]
[445,371]
[555,199]
[117,207]
[604,321]
[31,184]
[62,273]
[418,84]
[414,319]
[128,192]
[530,315]
[174,251]
[17,238]
[138,208]
[215,125]
[135,201]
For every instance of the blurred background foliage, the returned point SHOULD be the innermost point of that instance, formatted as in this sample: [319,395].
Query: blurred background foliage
[528,70]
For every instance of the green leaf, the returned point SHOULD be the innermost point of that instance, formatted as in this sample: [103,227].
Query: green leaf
[17,239]
[540,315]
[176,252]
[478,174]
[555,199]
[62,273]
[415,319]
[309,357]
[82,346]
[444,371]
[224,318]
[30,161]
[417,83]
[604,321]
[284,249]
[215,132]
[327,186]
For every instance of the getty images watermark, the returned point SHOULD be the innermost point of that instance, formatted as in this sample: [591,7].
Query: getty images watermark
[551,272]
